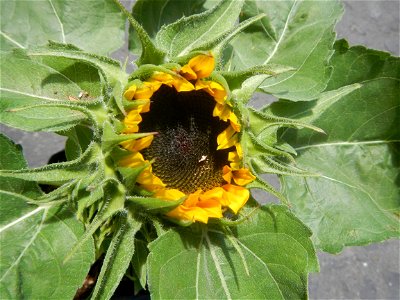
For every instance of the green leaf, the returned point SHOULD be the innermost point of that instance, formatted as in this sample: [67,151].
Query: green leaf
[34,241]
[294,33]
[15,161]
[356,199]
[188,33]
[118,258]
[60,173]
[267,256]
[42,93]
[95,26]
[152,14]
[40,117]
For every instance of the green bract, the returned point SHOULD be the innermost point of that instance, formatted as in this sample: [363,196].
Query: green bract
[332,138]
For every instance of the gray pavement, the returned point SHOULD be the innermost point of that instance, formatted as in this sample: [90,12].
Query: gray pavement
[370,272]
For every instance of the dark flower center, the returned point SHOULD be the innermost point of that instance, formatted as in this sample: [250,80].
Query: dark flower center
[185,149]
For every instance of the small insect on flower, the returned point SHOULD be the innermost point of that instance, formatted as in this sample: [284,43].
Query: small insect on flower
[196,154]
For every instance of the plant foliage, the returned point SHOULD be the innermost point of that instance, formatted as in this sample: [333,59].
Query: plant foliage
[332,138]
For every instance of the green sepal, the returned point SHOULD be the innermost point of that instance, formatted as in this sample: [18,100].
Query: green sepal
[259,183]
[145,71]
[261,121]
[129,105]
[150,54]
[130,175]
[139,265]
[254,146]
[59,195]
[236,78]
[87,198]
[152,205]
[114,198]
[110,138]
[219,43]
[78,140]
[59,173]
[265,164]
[118,257]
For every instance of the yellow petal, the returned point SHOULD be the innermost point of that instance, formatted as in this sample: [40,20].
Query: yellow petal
[214,89]
[202,65]
[169,194]
[149,181]
[188,73]
[227,174]
[199,211]
[234,122]
[130,92]
[189,214]
[235,196]
[139,144]
[233,156]
[223,111]
[242,176]
[134,160]
[239,150]
[131,121]
[147,89]
[182,85]
[145,107]
[214,194]
[227,138]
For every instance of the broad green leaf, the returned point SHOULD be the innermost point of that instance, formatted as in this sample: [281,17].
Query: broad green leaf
[13,159]
[41,93]
[188,33]
[34,241]
[95,26]
[153,14]
[294,33]
[267,256]
[356,199]
[118,258]
[30,78]
[40,117]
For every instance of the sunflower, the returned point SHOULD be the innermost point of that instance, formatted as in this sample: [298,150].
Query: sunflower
[193,152]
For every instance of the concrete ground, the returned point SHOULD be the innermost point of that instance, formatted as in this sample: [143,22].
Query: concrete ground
[370,272]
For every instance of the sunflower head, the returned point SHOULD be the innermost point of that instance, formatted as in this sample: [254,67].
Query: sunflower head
[194,150]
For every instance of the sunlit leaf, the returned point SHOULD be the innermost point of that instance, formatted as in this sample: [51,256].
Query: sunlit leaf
[153,14]
[267,256]
[179,38]
[355,200]
[294,33]
[15,161]
[34,242]
[95,26]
